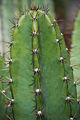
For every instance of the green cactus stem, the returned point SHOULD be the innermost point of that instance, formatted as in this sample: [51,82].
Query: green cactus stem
[43,86]
[38,58]
[75,55]
[69,86]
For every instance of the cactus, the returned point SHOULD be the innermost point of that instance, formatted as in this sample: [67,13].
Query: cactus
[43,86]
[75,55]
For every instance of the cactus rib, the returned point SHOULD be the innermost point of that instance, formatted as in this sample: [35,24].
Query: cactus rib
[22,71]
[68,76]
[75,58]
[36,66]
[75,61]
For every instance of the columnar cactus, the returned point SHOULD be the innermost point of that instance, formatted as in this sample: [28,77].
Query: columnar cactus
[42,86]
